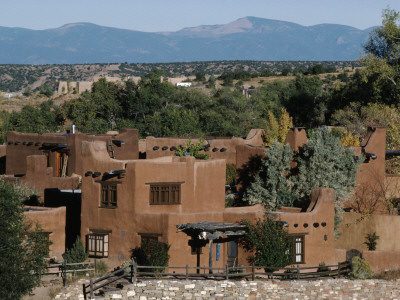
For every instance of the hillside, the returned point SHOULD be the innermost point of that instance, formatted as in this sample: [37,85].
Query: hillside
[14,78]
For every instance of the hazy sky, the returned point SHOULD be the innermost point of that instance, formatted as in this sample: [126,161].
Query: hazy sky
[172,15]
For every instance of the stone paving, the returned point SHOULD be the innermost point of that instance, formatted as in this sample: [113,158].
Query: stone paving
[218,290]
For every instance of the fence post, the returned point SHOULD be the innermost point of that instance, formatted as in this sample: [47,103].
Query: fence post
[95,266]
[132,262]
[226,271]
[253,275]
[64,272]
[84,291]
[339,266]
[187,271]
[134,271]
[298,271]
[91,288]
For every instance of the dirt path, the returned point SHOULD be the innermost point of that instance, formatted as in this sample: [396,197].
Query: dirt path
[50,287]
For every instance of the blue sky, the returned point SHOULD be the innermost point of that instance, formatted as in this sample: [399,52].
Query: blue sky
[172,15]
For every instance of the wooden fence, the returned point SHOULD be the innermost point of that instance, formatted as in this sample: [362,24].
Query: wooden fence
[132,271]
[64,268]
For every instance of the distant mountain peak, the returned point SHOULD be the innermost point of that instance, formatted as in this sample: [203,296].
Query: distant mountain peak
[248,38]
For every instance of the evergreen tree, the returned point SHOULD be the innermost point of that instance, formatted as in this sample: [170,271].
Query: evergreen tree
[77,253]
[322,162]
[271,186]
[22,248]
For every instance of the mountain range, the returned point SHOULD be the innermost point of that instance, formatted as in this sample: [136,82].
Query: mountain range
[247,38]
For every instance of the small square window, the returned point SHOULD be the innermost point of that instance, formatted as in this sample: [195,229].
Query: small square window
[97,244]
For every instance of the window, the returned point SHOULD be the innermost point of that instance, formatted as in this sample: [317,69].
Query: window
[108,194]
[148,237]
[97,244]
[165,193]
[61,164]
[298,249]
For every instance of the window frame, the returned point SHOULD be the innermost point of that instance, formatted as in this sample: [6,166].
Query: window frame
[100,239]
[108,194]
[165,193]
[298,244]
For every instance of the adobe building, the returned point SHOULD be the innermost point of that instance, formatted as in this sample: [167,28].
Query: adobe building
[224,148]
[125,202]
[62,151]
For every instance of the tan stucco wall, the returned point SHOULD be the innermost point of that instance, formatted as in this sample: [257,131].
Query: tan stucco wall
[51,220]
[381,261]
[355,227]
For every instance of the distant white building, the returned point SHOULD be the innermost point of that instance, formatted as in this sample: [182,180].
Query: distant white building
[184,84]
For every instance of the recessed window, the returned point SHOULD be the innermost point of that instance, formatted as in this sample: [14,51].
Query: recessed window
[108,194]
[298,249]
[97,244]
[165,193]
[148,237]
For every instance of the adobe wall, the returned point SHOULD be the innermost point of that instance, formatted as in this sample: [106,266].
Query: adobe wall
[355,227]
[296,138]
[371,177]
[51,220]
[381,261]
[317,224]
[222,148]
[314,224]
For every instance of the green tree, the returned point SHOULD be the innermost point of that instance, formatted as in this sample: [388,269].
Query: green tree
[382,59]
[22,247]
[308,103]
[27,92]
[271,186]
[324,162]
[200,76]
[269,243]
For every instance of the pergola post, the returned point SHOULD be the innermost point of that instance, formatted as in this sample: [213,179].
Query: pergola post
[210,256]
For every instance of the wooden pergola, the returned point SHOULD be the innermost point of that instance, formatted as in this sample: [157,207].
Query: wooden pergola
[210,232]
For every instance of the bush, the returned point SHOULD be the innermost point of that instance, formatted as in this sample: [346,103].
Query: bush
[192,150]
[151,253]
[360,268]
[101,267]
[76,254]
[371,239]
